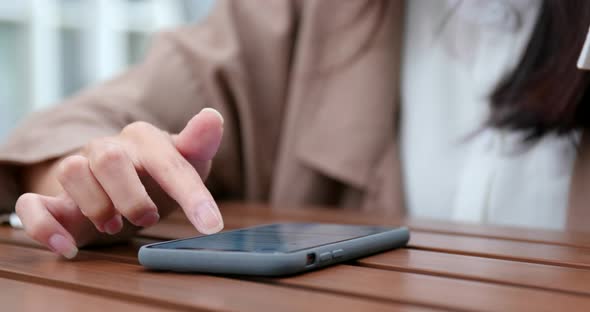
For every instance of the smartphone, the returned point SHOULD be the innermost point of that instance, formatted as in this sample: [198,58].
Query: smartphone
[272,250]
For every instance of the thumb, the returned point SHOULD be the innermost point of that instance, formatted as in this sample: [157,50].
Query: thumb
[199,141]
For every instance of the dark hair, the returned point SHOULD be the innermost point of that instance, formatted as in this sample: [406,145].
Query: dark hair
[547,93]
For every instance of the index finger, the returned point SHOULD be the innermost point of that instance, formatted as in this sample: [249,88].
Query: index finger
[155,153]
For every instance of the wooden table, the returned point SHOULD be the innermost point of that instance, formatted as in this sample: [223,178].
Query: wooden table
[446,266]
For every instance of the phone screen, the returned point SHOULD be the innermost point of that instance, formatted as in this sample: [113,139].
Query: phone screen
[289,237]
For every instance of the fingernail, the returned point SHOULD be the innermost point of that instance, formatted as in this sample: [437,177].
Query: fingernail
[207,219]
[114,225]
[148,219]
[63,246]
[215,112]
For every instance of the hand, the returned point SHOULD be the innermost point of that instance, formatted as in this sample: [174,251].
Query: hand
[105,183]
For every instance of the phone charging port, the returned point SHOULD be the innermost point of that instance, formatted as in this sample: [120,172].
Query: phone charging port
[310,259]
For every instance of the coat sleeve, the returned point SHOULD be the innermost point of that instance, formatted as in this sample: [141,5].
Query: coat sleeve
[235,61]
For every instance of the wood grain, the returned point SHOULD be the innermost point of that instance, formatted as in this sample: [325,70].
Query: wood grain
[124,252]
[502,249]
[448,266]
[498,272]
[540,276]
[27,297]
[534,235]
[131,283]
[181,291]
[440,292]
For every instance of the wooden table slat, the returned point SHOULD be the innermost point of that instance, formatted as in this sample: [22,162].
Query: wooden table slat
[22,296]
[173,290]
[446,266]
[533,235]
[502,249]
[523,274]
[108,278]
[122,252]
[441,292]
[539,276]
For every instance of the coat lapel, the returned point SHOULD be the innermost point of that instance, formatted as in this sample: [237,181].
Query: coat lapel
[340,118]
[350,121]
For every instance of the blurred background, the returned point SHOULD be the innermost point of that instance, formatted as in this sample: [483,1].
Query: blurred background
[49,49]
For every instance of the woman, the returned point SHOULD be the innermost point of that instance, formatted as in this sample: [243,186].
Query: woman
[457,110]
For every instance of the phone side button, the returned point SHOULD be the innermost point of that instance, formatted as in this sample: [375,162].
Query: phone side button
[338,254]
[325,257]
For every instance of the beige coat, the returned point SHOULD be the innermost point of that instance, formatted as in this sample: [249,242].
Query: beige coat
[309,91]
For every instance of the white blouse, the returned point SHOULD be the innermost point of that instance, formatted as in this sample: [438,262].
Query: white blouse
[455,53]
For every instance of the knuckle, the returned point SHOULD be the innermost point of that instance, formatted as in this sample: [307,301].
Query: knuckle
[34,227]
[71,167]
[106,153]
[24,201]
[96,144]
[138,128]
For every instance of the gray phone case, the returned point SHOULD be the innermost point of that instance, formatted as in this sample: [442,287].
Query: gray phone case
[270,264]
